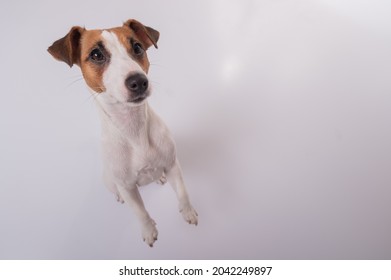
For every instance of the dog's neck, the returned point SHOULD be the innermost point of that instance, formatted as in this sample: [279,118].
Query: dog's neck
[131,122]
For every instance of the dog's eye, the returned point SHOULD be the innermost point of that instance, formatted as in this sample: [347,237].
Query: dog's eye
[138,49]
[97,56]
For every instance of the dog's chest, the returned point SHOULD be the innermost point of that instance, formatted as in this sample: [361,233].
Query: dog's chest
[149,163]
[137,156]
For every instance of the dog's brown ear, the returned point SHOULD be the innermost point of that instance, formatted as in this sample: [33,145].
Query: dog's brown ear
[147,35]
[67,49]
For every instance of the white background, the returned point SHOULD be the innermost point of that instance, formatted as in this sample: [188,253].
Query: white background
[281,111]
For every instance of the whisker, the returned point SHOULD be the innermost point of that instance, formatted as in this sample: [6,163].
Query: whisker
[152,63]
[155,83]
[73,82]
[92,96]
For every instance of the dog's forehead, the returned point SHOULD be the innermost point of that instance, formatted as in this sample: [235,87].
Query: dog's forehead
[121,31]
[92,37]
[122,35]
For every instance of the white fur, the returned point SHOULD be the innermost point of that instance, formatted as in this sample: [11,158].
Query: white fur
[137,146]
[121,65]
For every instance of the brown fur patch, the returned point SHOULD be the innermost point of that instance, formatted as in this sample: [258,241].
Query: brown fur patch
[92,73]
[125,35]
[148,35]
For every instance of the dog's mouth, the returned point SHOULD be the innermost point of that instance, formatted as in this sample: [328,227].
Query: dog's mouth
[138,99]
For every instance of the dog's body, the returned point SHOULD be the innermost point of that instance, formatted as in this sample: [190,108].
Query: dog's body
[137,146]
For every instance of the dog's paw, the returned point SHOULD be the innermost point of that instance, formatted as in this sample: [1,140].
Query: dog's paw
[119,198]
[149,232]
[162,180]
[189,214]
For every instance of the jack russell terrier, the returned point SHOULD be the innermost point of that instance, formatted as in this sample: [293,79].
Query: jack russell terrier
[137,146]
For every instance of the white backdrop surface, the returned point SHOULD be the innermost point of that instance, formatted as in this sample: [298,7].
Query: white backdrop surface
[281,111]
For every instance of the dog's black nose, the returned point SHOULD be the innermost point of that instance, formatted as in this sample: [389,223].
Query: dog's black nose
[137,83]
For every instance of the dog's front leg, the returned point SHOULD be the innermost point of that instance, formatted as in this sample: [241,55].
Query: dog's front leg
[174,177]
[133,198]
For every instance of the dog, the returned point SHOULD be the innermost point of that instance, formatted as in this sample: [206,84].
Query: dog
[137,146]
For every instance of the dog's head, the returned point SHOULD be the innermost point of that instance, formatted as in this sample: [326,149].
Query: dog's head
[113,61]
